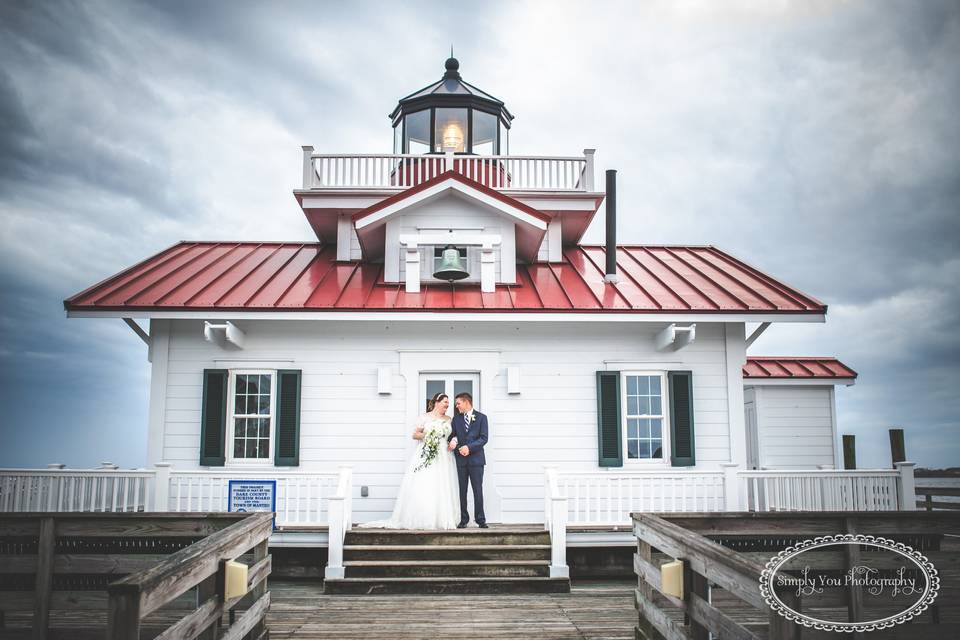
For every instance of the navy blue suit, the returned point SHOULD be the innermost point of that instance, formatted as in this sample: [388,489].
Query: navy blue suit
[470,467]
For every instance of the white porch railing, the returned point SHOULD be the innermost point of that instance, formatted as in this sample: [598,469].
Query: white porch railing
[405,170]
[827,490]
[302,496]
[75,490]
[599,498]
[341,520]
[608,498]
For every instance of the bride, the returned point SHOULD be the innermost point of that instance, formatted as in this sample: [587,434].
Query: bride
[428,497]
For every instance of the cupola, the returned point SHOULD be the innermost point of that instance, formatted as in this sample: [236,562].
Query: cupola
[451,115]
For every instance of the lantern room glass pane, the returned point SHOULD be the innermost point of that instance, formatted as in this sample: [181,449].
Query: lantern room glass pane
[450,132]
[504,141]
[484,133]
[417,136]
[398,137]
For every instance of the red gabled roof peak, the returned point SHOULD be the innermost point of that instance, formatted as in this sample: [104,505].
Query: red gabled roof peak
[443,177]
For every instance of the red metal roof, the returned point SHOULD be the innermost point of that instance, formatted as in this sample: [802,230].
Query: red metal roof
[796,367]
[279,276]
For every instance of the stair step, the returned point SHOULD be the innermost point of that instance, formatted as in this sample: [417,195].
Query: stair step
[452,538]
[446,568]
[451,586]
[447,552]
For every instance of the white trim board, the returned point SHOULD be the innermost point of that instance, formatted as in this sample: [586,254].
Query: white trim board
[445,316]
[800,382]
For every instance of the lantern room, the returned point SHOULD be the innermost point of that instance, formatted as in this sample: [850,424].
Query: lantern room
[451,115]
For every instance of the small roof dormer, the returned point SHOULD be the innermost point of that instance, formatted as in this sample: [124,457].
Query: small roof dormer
[451,115]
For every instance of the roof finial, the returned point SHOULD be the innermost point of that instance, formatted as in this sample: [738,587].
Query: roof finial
[453,66]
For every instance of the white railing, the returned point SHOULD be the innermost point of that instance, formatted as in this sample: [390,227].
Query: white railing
[405,170]
[341,521]
[555,521]
[604,498]
[828,490]
[302,497]
[75,490]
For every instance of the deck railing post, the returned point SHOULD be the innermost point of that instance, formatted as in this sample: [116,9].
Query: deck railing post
[335,542]
[558,538]
[307,166]
[587,183]
[549,472]
[161,486]
[907,485]
[340,515]
[731,486]
[448,161]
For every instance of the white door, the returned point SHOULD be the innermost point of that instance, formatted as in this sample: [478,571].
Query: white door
[450,383]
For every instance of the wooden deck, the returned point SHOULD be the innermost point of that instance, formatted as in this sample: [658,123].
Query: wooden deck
[594,609]
[300,611]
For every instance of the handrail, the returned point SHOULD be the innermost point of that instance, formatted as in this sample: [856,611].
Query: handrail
[555,521]
[134,597]
[341,521]
[929,504]
[404,170]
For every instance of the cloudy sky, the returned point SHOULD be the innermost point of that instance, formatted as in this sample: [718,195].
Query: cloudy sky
[819,141]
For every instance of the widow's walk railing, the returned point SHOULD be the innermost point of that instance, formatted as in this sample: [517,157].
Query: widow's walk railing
[405,170]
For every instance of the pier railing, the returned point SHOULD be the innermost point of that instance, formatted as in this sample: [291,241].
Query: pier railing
[201,565]
[724,554]
[55,567]
[405,170]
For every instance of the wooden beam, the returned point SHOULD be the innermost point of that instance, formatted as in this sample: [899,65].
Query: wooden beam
[757,333]
[898,451]
[849,452]
[137,329]
[44,579]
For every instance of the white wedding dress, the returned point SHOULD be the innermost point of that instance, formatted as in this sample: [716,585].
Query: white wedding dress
[429,498]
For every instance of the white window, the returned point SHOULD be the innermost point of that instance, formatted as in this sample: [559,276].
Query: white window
[251,420]
[644,417]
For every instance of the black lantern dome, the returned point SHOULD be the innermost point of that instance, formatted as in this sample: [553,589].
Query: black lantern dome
[451,115]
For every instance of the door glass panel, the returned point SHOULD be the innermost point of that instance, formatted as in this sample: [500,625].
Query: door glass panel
[461,386]
[433,388]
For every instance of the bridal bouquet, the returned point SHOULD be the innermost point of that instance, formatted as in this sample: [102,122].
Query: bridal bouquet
[431,448]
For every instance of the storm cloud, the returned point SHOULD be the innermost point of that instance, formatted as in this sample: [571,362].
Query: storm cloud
[817,141]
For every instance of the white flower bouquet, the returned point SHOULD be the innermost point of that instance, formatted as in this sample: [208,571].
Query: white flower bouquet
[432,439]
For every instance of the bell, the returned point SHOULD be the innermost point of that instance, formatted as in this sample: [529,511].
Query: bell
[451,267]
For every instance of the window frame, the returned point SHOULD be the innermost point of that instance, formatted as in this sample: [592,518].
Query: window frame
[664,416]
[231,415]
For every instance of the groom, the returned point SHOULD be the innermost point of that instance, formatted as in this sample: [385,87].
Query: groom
[470,430]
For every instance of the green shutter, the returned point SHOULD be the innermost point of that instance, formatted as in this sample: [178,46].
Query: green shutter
[681,418]
[609,431]
[287,435]
[213,418]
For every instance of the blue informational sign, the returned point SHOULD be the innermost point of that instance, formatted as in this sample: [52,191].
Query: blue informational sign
[252,495]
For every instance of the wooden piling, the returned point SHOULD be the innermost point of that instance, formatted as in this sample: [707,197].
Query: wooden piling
[849,452]
[898,452]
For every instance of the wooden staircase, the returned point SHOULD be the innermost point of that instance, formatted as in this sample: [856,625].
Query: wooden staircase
[495,560]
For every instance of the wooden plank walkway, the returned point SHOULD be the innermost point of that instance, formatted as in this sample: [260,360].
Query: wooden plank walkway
[595,610]
[299,610]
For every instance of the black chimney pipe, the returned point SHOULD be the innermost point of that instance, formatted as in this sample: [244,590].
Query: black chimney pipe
[611,273]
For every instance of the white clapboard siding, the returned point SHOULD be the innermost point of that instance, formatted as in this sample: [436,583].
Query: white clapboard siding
[344,421]
[796,426]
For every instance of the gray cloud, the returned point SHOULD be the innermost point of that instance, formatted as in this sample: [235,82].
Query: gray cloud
[817,141]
